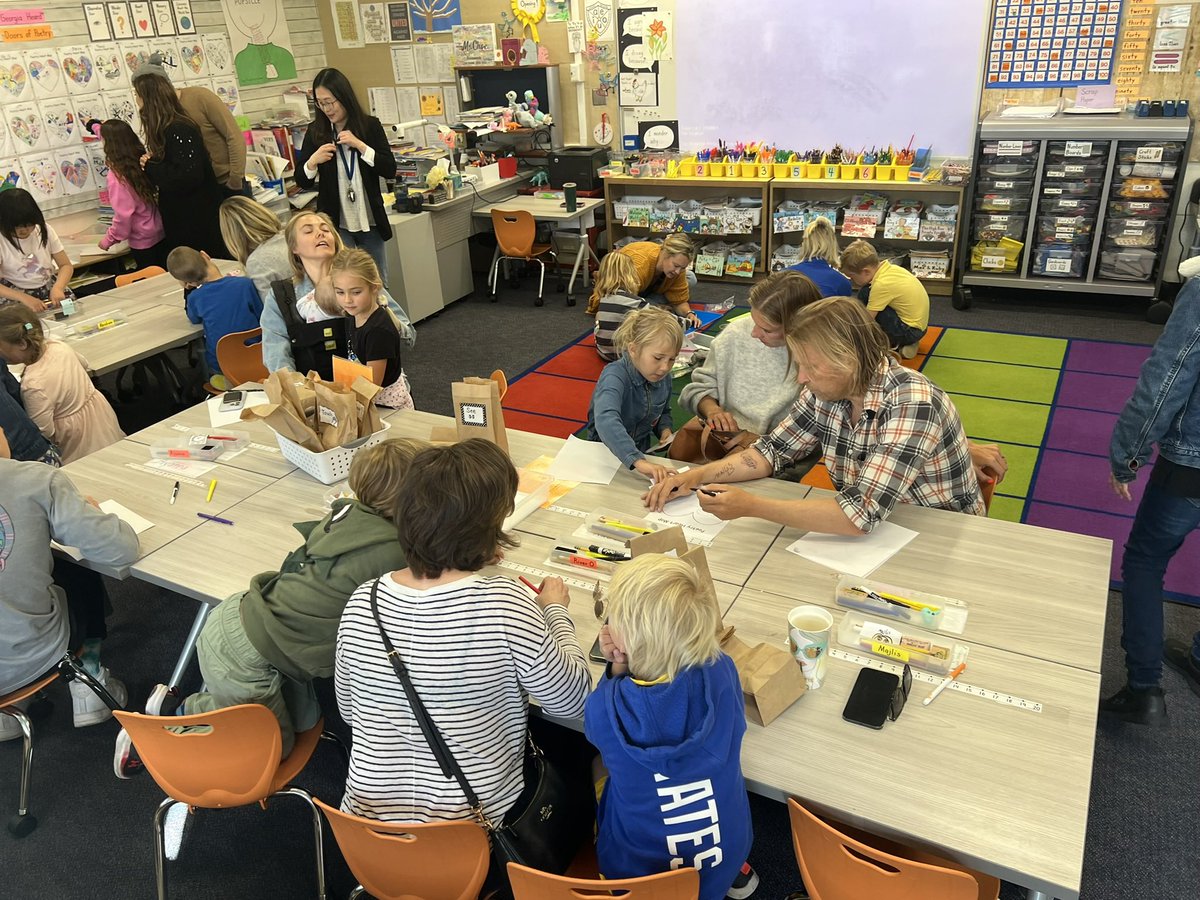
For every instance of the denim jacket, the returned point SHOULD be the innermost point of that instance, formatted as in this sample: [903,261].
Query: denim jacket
[1165,406]
[628,412]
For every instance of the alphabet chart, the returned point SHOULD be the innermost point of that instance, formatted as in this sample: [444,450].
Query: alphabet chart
[1052,43]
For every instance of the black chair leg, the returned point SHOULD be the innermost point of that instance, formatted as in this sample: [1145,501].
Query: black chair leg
[70,668]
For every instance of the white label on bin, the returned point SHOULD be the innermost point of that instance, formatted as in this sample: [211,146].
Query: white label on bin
[998,220]
[1075,169]
[1078,148]
[1002,202]
[1141,188]
[1056,173]
[1009,148]
[1149,154]
[1051,190]
[1003,185]
[992,261]
[1062,266]
[1064,235]
[1137,205]
[1133,232]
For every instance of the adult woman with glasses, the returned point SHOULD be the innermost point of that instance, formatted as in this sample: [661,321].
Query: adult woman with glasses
[345,153]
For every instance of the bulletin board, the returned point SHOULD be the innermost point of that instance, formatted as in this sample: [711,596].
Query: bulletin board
[1052,43]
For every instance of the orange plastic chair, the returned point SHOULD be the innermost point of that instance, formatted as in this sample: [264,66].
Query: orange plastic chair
[22,824]
[399,861]
[530,884]
[236,763]
[501,380]
[837,866]
[139,275]
[515,232]
[239,354]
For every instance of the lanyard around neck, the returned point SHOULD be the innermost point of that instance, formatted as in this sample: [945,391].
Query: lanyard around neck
[348,167]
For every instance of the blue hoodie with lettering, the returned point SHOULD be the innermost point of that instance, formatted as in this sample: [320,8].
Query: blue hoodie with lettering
[675,795]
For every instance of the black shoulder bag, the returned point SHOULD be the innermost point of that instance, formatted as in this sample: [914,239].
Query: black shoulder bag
[549,821]
[313,343]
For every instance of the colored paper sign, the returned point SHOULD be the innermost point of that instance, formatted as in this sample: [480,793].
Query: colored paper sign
[21,17]
[26,33]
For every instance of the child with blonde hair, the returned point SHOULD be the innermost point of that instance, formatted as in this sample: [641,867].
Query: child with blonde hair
[56,389]
[668,721]
[820,258]
[267,644]
[617,285]
[895,297]
[372,333]
[631,405]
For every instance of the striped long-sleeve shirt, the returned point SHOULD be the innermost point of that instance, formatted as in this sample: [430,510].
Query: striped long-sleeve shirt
[476,649]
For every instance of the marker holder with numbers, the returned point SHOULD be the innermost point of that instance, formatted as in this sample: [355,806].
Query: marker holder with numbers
[1077,204]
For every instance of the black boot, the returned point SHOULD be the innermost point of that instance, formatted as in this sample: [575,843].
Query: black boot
[1147,707]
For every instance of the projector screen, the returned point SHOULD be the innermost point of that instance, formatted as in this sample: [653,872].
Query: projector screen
[813,73]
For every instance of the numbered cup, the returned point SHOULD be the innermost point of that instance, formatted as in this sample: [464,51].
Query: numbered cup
[808,640]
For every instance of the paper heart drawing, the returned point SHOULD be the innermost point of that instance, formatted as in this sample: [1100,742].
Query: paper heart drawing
[45,73]
[78,68]
[109,67]
[229,96]
[218,58]
[134,61]
[75,171]
[122,109]
[143,25]
[193,57]
[26,129]
[43,177]
[13,80]
[60,123]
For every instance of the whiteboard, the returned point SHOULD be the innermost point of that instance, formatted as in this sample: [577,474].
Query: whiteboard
[814,73]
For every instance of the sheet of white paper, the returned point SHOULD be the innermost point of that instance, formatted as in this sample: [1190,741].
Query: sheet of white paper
[189,468]
[698,526]
[216,418]
[409,99]
[128,516]
[383,104]
[404,65]
[589,462]
[854,555]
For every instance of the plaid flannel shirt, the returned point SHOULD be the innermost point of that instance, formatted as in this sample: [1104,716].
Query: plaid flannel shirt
[908,446]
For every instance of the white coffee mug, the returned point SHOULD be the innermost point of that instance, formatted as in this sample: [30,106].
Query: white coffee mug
[808,640]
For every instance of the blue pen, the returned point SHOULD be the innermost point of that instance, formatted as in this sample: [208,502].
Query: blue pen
[214,518]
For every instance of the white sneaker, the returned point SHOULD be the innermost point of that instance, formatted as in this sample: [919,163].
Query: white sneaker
[10,728]
[87,706]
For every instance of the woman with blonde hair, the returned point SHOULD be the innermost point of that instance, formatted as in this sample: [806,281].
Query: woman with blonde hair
[662,271]
[820,258]
[254,236]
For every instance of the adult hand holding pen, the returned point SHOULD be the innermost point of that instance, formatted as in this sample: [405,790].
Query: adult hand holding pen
[726,502]
[669,488]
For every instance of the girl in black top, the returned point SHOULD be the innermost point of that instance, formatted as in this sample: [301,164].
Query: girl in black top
[372,335]
[178,165]
[345,153]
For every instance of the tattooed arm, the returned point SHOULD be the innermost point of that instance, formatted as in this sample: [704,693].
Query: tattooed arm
[745,466]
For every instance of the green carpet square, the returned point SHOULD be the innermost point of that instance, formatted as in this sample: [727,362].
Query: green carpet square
[985,379]
[1006,508]
[1002,421]
[1021,461]
[1019,349]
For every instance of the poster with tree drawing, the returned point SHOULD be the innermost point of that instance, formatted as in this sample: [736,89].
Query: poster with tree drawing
[434,16]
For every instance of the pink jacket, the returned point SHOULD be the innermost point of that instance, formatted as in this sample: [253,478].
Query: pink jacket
[134,219]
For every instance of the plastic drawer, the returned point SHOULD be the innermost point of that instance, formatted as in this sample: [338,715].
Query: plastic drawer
[1001,203]
[1129,152]
[1127,264]
[1059,261]
[1066,170]
[1138,209]
[1001,256]
[1022,186]
[1086,151]
[1139,189]
[994,227]
[1072,188]
[1165,171]
[1068,206]
[1133,233]
[998,167]
[1075,230]
[1008,149]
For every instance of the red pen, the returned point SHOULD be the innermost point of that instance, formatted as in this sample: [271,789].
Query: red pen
[525,581]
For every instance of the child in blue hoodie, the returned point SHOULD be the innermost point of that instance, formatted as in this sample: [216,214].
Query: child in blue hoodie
[668,721]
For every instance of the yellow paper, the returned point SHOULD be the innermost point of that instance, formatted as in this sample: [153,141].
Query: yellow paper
[26,33]
[345,372]
[431,102]
[889,650]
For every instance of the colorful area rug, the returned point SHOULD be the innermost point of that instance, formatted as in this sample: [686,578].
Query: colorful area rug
[1049,402]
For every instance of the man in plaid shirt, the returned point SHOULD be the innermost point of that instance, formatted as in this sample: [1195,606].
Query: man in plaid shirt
[887,435]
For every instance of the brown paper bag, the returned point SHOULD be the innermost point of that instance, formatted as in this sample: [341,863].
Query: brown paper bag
[282,420]
[478,412]
[337,414]
[771,679]
[671,539]
[292,391]
[369,420]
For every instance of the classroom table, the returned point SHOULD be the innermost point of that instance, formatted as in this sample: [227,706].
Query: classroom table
[990,785]
[144,334]
[1029,590]
[554,211]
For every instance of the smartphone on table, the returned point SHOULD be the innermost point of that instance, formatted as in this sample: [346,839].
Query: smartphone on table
[232,400]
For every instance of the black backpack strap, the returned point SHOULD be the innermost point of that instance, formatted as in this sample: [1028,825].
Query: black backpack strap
[285,298]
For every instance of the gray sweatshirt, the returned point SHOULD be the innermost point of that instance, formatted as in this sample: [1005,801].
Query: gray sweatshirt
[39,503]
[753,382]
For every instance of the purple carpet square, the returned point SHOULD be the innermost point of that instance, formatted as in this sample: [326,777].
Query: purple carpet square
[1080,430]
[1106,358]
[1084,390]
[1183,575]
[1073,479]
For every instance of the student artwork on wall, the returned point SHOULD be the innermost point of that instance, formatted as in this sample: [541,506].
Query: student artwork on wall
[218,54]
[79,70]
[135,54]
[434,16]
[227,89]
[110,67]
[45,73]
[11,174]
[118,18]
[164,18]
[193,61]
[598,17]
[1054,44]
[431,102]
[398,25]
[26,130]
[41,176]
[558,10]
[261,43]
[375,23]
[14,78]
[75,172]
[97,21]
[121,105]
[347,29]
[90,107]
[184,23]
[58,115]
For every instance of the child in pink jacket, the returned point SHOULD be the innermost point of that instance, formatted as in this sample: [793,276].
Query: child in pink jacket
[133,198]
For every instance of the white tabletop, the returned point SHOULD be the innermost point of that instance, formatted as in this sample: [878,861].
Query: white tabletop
[541,208]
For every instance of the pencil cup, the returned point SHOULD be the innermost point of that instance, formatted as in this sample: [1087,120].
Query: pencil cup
[782,170]
[883,173]
[808,641]
[570,195]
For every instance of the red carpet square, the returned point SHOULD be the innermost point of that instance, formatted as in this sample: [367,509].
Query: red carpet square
[565,398]
[589,341]
[575,362]
[523,421]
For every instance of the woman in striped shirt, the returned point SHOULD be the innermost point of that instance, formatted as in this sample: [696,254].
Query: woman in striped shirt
[477,648]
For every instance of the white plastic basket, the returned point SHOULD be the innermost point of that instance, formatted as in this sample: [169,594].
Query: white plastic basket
[331,465]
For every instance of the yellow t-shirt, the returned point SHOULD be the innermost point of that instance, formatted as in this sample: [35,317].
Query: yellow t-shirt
[900,289]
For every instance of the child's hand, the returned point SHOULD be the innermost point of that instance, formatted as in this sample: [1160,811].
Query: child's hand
[57,295]
[143,159]
[34,303]
[610,651]
[553,591]
[655,472]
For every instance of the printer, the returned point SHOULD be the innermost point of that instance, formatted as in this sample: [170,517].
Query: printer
[577,164]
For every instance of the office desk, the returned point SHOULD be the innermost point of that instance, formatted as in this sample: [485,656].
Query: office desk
[1030,590]
[543,210]
[997,788]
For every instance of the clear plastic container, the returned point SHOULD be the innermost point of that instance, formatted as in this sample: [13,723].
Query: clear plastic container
[1065,229]
[1133,233]
[1059,261]
[930,611]
[1127,264]
[1138,209]
[78,328]
[1023,186]
[618,526]
[1139,189]
[1068,206]
[898,642]
[533,489]
[1072,188]
[1167,171]
[1073,171]
[1073,151]
[1129,152]
[992,151]
[997,167]
[994,227]
[1002,203]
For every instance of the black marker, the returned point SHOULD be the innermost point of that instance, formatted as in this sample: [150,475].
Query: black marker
[704,492]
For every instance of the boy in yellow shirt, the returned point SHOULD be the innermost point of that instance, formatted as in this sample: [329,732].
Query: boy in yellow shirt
[896,299]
